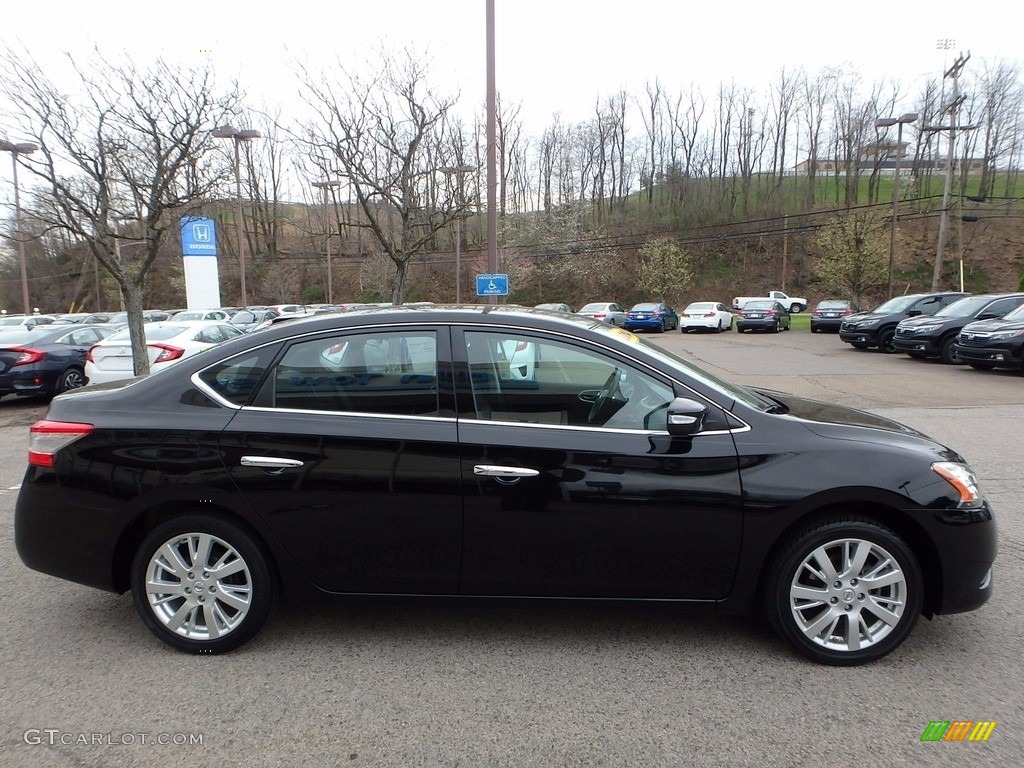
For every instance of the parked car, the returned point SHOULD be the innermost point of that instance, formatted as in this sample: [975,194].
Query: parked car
[794,304]
[651,316]
[705,315]
[555,307]
[606,311]
[877,328]
[46,359]
[249,319]
[935,335]
[85,318]
[763,315]
[167,342]
[25,321]
[189,315]
[994,343]
[305,458]
[148,316]
[828,315]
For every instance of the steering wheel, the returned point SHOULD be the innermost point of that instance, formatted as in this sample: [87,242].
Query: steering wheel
[609,390]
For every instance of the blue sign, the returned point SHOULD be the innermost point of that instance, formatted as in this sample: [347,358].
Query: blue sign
[198,236]
[492,285]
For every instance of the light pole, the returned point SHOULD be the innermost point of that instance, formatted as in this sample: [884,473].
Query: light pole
[458,171]
[886,122]
[23,148]
[326,187]
[238,136]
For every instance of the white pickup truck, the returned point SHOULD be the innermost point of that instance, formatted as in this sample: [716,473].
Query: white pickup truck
[792,303]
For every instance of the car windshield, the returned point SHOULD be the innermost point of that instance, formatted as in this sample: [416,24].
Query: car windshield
[1017,314]
[703,306]
[759,305]
[965,307]
[6,321]
[24,335]
[897,305]
[645,308]
[593,307]
[833,304]
[727,389]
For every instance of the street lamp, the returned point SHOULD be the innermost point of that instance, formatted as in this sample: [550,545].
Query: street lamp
[886,122]
[458,171]
[326,186]
[238,135]
[23,148]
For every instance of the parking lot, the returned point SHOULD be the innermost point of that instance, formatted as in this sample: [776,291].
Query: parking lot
[85,684]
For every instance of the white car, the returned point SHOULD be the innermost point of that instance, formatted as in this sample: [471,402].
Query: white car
[188,315]
[608,312]
[707,315]
[168,341]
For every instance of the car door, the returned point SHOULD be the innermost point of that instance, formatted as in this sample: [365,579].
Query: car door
[571,492]
[348,450]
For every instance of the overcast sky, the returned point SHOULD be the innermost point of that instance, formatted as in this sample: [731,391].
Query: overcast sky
[551,55]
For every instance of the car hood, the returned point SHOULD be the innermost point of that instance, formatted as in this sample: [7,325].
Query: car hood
[861,316]
[995,324]
[843,423]
[919,320]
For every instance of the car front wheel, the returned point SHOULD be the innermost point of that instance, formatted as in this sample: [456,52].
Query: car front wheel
[202,584]
[844,591]
[885,341]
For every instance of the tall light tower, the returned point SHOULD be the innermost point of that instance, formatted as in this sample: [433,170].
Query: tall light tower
[238,136]
[22,148]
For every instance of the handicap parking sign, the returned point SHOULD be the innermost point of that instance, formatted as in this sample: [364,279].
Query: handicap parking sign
[492,285]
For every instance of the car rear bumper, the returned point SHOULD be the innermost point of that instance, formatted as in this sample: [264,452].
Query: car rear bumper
[764,325]
[643,325]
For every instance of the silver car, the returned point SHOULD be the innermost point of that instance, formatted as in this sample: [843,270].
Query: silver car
[605,311]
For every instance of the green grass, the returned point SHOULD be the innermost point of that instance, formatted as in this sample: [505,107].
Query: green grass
[801,322]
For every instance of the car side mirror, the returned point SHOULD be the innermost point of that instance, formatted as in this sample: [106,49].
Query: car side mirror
[914,313]
[686,416]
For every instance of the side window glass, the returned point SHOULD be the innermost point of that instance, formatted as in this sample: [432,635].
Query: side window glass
[235,379]
[383,373]
[542,381]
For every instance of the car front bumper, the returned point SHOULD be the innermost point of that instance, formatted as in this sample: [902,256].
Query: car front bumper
[998,356]
[915,345]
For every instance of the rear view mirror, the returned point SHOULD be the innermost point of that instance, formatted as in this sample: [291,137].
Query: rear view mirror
[686,416]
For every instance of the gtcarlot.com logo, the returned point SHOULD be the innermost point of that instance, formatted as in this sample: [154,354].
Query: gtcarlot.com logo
[958,730]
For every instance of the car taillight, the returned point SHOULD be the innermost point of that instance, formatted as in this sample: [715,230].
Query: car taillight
[847,311]
[769,313]
[709,314]
[599,316]
[88,354]
[26,355]
[817,313]
[167,353]
[48,437]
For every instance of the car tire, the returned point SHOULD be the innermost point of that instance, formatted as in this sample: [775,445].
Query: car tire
[858,345]
[661,328]
[776,328]
[837,620]
[885,341]
[718,327]
[796,309]
[199,611]
[72,378]
[948,354]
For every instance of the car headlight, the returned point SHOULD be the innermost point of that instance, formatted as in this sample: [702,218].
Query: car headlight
[1000,335]
[868,323]
[926,328]
[962,479]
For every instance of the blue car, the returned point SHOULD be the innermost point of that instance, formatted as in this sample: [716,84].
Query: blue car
[47,359]
[651,316]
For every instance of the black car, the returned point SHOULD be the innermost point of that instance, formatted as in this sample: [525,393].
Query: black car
[763,315]
[935,335]
[46,359]
[993,343]
[830,313]
[495,451]
[877,328]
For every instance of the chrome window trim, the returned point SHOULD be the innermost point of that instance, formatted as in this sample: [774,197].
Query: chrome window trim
[482,327]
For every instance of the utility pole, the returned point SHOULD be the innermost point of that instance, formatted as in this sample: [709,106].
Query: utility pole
[954,104]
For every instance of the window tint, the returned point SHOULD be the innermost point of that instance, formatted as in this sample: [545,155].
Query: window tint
[384,373]
[521,378]
[236,379]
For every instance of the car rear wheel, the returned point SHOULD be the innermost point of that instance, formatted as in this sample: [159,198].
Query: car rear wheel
[202,584]
[844,591]
[72,378]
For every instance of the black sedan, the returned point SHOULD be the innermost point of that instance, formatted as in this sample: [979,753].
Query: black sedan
[763,315]
[46,359]
[830,313]
[483,452]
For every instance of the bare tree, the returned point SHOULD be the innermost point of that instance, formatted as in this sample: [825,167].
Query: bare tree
[388,134]
[115,158]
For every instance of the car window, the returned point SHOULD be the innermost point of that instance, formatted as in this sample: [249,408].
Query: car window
[235,380]
[82,337]
[375,372]
[527,379]
[1002,306]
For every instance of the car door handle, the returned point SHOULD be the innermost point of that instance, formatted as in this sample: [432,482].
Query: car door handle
[490,470]
[269,462]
